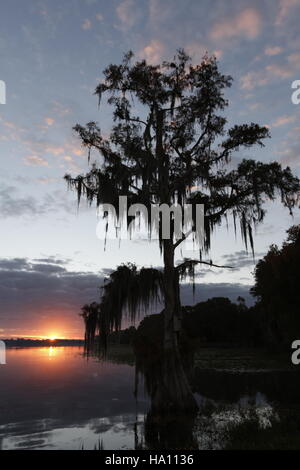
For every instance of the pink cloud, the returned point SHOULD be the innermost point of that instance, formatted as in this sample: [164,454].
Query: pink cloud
[285,70]
[291,156]
[283,120]
[197,51]
[285,6]
[86,24]
[153,51]
[218,53]
[279,70]
[247,23]
[49,121]
[45,180]
[253,79]
[35,160]
[66,148]
[54,149]
[60,109]
[273,50]
[262,77]
[128,13]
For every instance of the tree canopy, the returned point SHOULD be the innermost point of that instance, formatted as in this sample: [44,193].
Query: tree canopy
[170,143]
[277,288]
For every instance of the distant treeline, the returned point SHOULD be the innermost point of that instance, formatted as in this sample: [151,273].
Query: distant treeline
[218,320]
[122,337]
[24,342]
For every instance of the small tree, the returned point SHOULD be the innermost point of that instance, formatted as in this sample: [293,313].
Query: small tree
[177,151]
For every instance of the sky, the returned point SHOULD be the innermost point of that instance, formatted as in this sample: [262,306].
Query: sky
[52,57]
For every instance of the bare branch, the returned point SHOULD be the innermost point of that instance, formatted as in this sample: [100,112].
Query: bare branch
[208,263]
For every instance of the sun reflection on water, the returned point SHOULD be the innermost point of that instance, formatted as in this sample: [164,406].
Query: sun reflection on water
[51,352]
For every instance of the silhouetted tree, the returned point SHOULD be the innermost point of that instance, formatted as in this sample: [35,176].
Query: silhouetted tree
[218,320]
[177,151]
[89,313]
[277,278]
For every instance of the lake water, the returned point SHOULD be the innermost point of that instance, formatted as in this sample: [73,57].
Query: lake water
[53,398]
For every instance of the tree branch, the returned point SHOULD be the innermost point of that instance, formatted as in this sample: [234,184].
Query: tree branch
[208,263]
[184,236]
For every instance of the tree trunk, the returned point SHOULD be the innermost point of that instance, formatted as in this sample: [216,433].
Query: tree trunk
[174,392]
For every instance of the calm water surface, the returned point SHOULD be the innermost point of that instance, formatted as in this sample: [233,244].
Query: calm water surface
[53,398]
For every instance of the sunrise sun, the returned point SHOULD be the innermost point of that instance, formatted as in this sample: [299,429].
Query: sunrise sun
[52,338]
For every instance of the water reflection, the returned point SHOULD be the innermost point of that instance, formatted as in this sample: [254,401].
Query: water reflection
[52,351]
[53,398]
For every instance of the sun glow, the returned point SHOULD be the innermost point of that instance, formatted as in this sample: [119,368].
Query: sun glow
[52,338]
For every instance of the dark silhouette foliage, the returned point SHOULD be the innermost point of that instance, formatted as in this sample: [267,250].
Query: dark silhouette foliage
[221,322]
[277,280]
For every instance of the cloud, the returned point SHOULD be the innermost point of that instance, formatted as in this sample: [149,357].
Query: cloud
[255,106]
[285,7]
[196,51]
[40,291]
[159,12]
[49,121]
[50,259]
[294,61]
[45,180]
[13,205]
[99,17]
[12,130]
[285,70]
[152,52]
[291,156]
[54,149]
[295,131]
[33,292]
[241,259]
[253,79]
[60,109]
[246,24]
[273,50]
[35,160]
[86,25]
[265,76]
[283,120]
[128,13]
[37,146]
[280,71]
[42,147]
[207,291]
